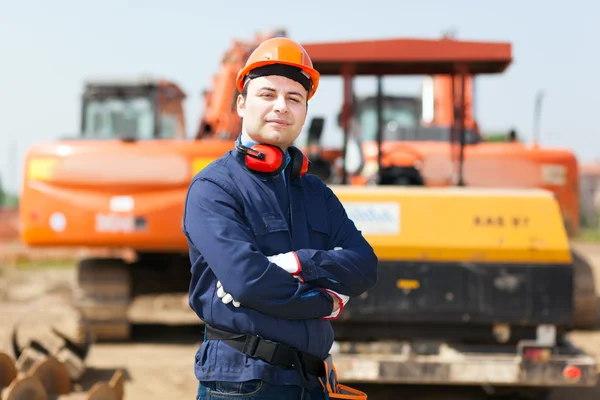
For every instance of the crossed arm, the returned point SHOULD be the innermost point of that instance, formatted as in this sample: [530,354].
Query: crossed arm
[348,267]
[213,221]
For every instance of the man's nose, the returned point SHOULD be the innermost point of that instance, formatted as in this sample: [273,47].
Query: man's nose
[281,104]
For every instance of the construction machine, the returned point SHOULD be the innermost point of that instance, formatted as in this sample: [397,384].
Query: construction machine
[120,185]
[420,146]
[494,292]
[477,285]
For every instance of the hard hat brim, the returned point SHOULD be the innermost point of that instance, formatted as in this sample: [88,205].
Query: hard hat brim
[312,73]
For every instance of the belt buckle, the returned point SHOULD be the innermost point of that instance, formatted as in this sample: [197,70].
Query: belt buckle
[273,349]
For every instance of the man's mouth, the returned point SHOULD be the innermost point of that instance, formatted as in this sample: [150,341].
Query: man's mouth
[278,122]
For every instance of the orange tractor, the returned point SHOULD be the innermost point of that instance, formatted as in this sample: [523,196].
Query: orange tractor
[420,145]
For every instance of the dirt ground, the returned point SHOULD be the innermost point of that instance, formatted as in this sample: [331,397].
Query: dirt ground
[158,362]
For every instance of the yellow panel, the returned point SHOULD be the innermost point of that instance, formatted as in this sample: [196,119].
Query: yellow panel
[198,164]
[456,224]
[408,284]
[40,169]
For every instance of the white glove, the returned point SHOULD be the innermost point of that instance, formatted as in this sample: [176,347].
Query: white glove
[289,262]
[226,298]
[343,301]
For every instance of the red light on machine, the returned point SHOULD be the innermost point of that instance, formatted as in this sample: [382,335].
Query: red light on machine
[536,353]
[572,373]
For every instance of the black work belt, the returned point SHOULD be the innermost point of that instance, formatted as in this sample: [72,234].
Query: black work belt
[272,352]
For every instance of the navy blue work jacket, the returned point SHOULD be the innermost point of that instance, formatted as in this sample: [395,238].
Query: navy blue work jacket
[233,220]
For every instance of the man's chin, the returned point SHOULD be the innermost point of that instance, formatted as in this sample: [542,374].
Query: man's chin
[276,139]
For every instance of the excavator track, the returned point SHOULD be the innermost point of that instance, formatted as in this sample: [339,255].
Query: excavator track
[104,296]
[585,301]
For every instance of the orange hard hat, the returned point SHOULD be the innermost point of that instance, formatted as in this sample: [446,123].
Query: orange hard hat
[281,51]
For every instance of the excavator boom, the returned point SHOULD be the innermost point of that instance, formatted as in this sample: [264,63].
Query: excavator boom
[220,118]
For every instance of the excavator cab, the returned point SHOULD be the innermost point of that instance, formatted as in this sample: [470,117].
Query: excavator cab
[132,110]
[402,121]
[404,124]
[398,112]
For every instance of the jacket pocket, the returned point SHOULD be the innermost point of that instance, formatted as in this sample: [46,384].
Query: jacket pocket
[236,389]
[318,222]
[270,222]
[271,232]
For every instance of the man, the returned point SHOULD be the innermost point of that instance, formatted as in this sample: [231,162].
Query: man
[274,255]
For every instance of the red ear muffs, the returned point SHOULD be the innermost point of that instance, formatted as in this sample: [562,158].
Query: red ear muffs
[270,160]
[299,163]
[263,158]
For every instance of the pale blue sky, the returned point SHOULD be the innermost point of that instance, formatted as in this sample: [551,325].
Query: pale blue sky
[48,48]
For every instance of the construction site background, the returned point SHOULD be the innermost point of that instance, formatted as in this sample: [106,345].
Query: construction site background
[34,279]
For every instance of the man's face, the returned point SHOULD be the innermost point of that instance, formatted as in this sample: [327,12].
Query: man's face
[274,110]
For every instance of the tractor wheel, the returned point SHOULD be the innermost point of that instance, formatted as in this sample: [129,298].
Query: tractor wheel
[104,296]
[585,303]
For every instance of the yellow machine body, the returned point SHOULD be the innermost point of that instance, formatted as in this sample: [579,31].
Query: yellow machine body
[458,224]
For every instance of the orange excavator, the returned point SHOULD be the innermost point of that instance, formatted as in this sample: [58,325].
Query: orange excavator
[121,185]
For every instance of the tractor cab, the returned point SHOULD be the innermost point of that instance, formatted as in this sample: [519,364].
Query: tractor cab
[391,139]
[135,110]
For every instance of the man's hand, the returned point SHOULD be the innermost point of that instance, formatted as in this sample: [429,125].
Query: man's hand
[336,302]
[288,262]
[339,301]
[226,298]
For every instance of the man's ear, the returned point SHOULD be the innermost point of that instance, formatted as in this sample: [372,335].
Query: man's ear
[241,105]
